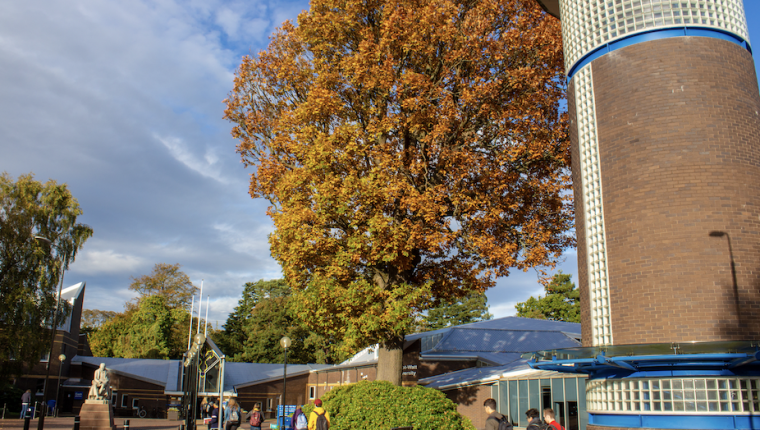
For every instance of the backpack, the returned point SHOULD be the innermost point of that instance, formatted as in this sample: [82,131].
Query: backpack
[554,426]
[301,422]
[504,423]
[256,419]
[322,423]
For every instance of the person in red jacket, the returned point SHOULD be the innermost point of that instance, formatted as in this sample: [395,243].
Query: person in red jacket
[549,420]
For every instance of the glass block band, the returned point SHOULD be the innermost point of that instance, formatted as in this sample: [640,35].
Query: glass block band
[589,24]
[591,185]
[730,396]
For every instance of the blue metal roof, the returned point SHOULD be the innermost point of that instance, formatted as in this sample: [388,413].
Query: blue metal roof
[149,370]
[472,375]
[500,340]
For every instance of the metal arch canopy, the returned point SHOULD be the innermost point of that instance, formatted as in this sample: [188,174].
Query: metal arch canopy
[551,7]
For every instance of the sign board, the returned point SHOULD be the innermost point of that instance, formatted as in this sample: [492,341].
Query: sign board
[78,395]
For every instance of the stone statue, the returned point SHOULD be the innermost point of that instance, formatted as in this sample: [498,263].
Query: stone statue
[101,385]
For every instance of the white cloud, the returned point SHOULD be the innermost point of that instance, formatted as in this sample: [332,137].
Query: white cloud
[92,262]
[181,152]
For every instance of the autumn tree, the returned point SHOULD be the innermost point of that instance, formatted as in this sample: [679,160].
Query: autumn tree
[562,301]
[167,281]
[412,152]
[31,269]
[465,310]
[93,319]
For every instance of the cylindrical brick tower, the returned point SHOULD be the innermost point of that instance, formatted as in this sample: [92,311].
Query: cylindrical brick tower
[665,128]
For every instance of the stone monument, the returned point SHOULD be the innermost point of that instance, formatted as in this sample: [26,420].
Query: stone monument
[96,413]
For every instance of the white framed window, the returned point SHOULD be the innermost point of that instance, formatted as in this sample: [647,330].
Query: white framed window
[269,404]
[45,357]
[312,392]
[114,395]
[134,403]
[124,401]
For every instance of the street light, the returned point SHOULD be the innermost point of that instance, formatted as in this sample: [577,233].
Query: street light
[285,344]
[61,359]
[54,329]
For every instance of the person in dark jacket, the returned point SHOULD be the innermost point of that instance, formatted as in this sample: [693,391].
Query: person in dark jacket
[26,400]
[494,417]
[534,420]
[214,423]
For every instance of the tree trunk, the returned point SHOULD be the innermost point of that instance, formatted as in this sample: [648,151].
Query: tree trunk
[389,362]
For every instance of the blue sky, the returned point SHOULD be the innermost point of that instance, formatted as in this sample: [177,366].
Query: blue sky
[122,100]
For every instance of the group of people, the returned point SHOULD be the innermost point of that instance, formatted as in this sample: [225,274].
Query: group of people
[234,416]
[497,421]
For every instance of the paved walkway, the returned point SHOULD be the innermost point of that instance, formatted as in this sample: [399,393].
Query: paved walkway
[67,423]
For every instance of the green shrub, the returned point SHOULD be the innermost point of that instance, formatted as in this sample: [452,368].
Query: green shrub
[381,405]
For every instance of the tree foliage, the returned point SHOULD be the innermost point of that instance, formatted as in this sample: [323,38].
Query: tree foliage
[562,302]
[470,309]
[412,152]
[167,281]
[93,319]
[30,270]
[381,405]
[263,316]
[155,325]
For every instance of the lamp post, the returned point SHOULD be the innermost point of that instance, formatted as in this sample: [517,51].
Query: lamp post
[285,344]
[53,330]
[61,359]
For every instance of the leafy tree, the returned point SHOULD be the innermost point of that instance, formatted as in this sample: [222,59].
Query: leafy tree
[562,302]
[253,331]
[166,281]
[30,270]
[141,332]
[470,309]
[411,151]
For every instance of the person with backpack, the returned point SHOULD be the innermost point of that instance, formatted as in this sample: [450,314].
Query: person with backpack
[255,418]
[549,420]
[299,421]
[495,420]
[319,418]
[534,421]
[214,422]
[232,415]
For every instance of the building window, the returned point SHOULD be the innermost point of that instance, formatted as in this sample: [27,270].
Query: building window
[312,393]
[124,401]
[114,395]
[134,403]
[45,357]
[269,404]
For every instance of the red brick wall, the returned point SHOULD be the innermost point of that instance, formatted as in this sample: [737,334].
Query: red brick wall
[679,136]
[469,402]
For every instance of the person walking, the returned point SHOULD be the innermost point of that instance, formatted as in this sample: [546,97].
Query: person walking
[534,421]
[319,418]
[549,420]
[232,415]
[26,399]
[299,421]
[255,417]
[205,411]
[494,419]
[214,423]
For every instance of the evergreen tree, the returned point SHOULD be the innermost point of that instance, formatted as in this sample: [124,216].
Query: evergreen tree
[562,302]
[469,309]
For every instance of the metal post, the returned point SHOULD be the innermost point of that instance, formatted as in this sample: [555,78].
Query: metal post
[76,422]
[61,359]
[4,410]
[53,329]
[181,427]
[285,384]
[26,421]
[126,424]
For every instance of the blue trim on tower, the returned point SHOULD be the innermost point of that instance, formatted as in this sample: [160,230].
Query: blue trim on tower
[676,421]
[665,33]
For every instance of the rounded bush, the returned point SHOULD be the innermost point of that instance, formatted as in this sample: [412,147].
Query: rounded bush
[381,405]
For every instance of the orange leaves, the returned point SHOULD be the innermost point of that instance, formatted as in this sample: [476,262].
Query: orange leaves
[405,145]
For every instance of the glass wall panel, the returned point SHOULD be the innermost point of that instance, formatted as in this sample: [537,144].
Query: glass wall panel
[523,387]
[571,394]
[503,397]
[582,415]
[514,403]
[535,394]
[557,390]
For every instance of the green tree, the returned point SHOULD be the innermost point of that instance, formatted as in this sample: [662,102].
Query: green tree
[30,270]
[92,319]
[562,302]
[263,316]
[143,331]
[470,309]
[408,148]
